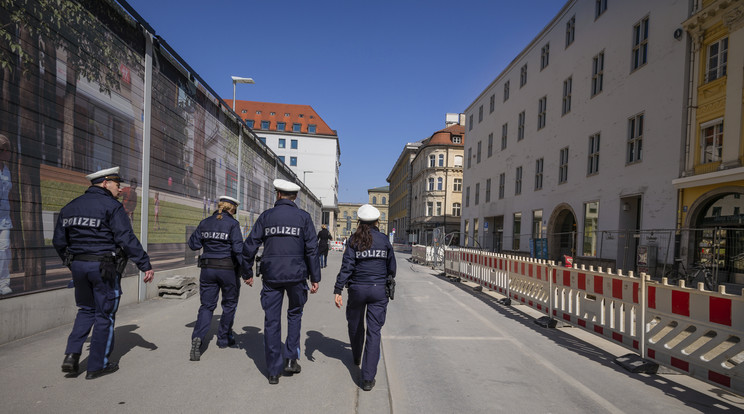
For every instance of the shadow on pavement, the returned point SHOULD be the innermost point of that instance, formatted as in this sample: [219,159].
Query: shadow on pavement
[251,341]
[127,339]
[332,348]
[213,326]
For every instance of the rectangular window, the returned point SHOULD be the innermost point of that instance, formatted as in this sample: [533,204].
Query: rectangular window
[545,56]
[537,224]
[457,185]
[490,144]
[280,126]
[432,161]
[431,183]
[593,161]
[439,184]
[493,104]
[311,129]
[456,139]
[597,73]
[475,233]
[429,208]
[478,154]
[250,123]
[711,141]
[281,158]
[458,161]
[570,30]
[456,209]
[567,85]
[504,132]
[717,59]
[293,144]
[470,124]
[520,126]
[506,91]
[265,124]
[282,143]
[470,155]
[518,182]
[441,160]
[439,208]
[467,197]
[477,193]
[600,6]
[542,108]
[563,166]
[523,76]
[539,174]
[516,230]
[262,139]
[635,139]
[640,43]
[296,127]
[293,161]
[467,231]
[502,185]
[591,221]
[488,190]
[480,114]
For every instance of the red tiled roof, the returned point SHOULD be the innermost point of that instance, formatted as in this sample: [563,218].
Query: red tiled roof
[442,137]
[288,113]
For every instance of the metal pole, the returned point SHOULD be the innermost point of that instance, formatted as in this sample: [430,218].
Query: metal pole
[240,151]
[146,127]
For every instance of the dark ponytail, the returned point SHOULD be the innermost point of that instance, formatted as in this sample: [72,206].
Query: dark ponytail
[362,238]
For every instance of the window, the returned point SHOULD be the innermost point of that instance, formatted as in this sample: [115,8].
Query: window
[711,141]
[635,139]
[272,114]
[265,124]
[504,131]
[439,208]
[493,104]
[441,160]
[282,143]
[311,129]
[470,155]
[502,185]
[281,158]
[545,56]
[439,183]
[431,183]
[250,123]
[520,126]
[536,224]
[563,166]
[717,59]
[516,229]
[518,182]
[429,208]
[262,139]
[456,139]
[506,91]
[490,144]
[477,193]
[640,43]
[478,154]
[280,126]
[597,73]
[542,108]
[591,221]
[384,200]
[458,161]
[488,190]
[567,84]
[538,174]
[374,199]
[456,209]
[600,6]
[480,114]
[457,185]
[293,144]
[570,30]
[467,197]
[470,124]
[432,160]
[523,76]
[593,161]
[293,161]
[296,127]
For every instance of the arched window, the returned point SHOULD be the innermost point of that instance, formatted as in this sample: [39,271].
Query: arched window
[441,160]
[374,200]
[384,200]
[439,183]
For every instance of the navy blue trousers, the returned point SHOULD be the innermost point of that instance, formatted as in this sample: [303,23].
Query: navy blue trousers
[366,303]
[211,282]
[97,302]
[272,296]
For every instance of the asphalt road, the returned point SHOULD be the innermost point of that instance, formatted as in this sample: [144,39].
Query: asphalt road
[446,349]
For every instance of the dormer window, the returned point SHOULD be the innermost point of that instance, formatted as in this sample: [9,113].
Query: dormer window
[456,139]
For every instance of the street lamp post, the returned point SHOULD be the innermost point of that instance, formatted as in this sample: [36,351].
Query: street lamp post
[236,80]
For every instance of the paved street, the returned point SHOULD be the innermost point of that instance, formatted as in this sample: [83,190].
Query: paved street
[446,349]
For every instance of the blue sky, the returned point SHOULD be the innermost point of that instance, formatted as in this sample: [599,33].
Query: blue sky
[381,73]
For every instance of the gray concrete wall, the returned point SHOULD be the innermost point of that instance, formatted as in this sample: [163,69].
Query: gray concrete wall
[23,316]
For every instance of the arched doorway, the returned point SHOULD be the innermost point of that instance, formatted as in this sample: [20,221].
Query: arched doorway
[562,232]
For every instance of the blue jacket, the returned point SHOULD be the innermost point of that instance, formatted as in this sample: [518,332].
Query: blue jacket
[367,267]
[290,245]
[96,223]
[220,238]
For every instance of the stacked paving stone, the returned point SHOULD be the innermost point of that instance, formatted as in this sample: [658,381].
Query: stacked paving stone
[177,287]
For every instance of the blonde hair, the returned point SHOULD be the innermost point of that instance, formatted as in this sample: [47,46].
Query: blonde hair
[225,206]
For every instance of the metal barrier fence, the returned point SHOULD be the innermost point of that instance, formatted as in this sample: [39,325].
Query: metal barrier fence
[689,329]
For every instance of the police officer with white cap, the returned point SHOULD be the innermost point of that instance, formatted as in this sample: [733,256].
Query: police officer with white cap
[367,264]
[290,257]
[221,262]
[94,237]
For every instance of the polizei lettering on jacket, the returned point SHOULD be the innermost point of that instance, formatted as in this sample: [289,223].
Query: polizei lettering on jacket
[214,235]
[282,231]
[371,253]
[81,222]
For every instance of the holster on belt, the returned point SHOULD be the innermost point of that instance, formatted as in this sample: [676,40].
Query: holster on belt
[390,287]
[107,266]
[121,260]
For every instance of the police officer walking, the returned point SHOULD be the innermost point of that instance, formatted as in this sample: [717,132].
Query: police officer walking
[220,262]
[290,256]
[94,237]
[368,265]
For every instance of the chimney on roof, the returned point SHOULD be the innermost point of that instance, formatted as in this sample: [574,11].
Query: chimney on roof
[454,119]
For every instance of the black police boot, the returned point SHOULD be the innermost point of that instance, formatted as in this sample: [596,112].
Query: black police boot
[291,367]
[367,385]
[108,369]
[71,363]
[195,349]
[273,379]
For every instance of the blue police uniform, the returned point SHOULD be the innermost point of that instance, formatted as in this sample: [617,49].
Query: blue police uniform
[290,256]
[220,262]
[90,228]
[365,274]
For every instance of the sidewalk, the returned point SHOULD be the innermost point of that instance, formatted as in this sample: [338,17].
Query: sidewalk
[152,347]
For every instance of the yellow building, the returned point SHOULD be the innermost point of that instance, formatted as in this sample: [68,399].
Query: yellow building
[711,184]
[379,198]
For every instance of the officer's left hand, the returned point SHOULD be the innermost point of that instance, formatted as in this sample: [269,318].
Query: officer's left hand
[149,275]
[248,282]
[313,287]
[339,301]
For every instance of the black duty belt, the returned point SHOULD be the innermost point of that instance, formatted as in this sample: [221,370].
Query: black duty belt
[223,263]
[93,258]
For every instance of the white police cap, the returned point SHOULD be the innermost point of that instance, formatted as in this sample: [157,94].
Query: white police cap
[285,186]
[110,174]
[368,213]
[230,200]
